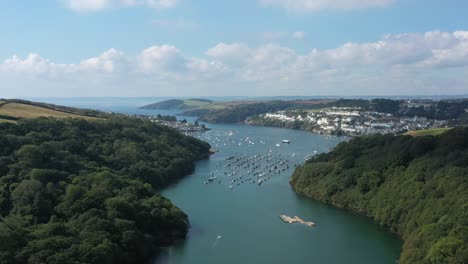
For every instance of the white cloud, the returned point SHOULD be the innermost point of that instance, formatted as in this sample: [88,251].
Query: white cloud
[161,59]
[315,5]
[411,63]
[109,61]
[96,5]
[235,53]
[299,35]
[32,64]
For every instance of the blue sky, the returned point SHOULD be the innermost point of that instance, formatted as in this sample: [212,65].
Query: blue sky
[242,47]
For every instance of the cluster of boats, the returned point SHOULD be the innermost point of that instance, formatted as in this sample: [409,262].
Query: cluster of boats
[256,169]
[252,168]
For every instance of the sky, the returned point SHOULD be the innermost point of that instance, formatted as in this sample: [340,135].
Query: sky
[136,48]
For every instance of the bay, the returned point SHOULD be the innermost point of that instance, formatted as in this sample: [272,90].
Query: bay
[242,224]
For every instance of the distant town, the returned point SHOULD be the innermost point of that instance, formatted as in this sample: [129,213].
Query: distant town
[350,117]
[351,121]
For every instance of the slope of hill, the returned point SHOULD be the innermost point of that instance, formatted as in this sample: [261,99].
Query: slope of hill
[83,191]
[237,112]
[178,104]
[232,111]
[12,110]
[428,132]
[414,186]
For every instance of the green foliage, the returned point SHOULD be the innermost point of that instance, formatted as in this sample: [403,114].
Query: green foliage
[76,191]
[414,186]
[239,113]
[385,106]
[179,104]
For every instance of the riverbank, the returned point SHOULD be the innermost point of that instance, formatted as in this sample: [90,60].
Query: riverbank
[216,210]
[414,186]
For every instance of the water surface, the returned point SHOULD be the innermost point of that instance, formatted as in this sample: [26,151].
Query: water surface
[247,217]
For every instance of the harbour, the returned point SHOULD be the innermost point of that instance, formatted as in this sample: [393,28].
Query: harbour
[241,225]
[243,211]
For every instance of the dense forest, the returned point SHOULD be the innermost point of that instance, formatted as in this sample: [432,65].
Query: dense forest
[239,113]
[257,120]
[442,110]
[414,186]
[77,191]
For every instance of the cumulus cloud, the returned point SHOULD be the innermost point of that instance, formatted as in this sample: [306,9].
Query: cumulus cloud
[406,63]
[109,62]
[96,5]
[161,59]
[315,5]
[233,54]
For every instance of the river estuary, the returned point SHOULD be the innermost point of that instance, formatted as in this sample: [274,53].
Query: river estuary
[242,225]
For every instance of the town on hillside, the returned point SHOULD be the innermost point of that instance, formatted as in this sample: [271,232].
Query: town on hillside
[350,121]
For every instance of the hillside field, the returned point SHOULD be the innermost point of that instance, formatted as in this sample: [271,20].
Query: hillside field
[20,110]
[427,132]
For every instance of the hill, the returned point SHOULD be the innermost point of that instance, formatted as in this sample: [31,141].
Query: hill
[83,191]
[427,132]
[231,111]
[178,104]
[239,111]
[414,186]
[13,110]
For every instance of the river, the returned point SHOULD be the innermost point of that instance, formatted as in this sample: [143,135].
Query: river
[242,224]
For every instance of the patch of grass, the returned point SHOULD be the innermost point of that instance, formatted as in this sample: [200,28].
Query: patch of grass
[196,103]
[30,111]
[428,132]
[216,106]
[7,121]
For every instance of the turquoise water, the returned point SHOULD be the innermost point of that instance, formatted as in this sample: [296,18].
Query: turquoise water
[247,217]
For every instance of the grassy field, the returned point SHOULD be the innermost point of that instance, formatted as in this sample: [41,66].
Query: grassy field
[7,121]
[30,111]
[196,103]
[427,132]
[204,105]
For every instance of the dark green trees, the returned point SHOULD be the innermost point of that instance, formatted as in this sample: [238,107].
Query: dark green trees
[73,191]
[416,187]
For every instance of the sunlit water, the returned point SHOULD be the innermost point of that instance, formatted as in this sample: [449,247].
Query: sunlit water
[242,224]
